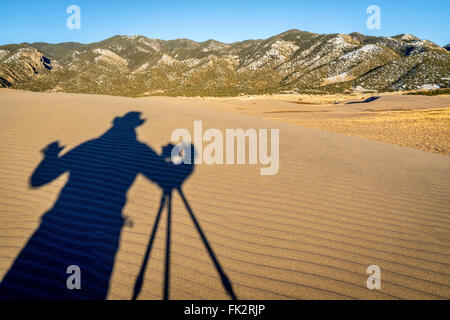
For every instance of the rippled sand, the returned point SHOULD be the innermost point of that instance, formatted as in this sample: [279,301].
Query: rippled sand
[338,204]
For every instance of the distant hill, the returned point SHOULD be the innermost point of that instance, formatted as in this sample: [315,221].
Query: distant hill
[447,47]
[294,61]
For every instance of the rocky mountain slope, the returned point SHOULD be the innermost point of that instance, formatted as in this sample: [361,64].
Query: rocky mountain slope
[294,61]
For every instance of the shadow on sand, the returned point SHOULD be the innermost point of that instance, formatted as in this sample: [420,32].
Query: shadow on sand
[365,101]
[84,225]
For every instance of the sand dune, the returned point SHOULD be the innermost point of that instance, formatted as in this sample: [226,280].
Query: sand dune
[338,205]
[420,122]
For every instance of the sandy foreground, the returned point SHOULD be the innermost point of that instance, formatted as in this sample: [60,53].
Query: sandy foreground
[338,204]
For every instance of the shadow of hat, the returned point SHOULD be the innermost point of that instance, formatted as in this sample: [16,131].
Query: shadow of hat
[131,119]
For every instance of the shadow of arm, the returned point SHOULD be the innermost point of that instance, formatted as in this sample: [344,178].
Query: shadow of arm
[50,168]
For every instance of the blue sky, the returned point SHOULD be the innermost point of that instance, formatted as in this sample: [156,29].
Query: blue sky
[227,21]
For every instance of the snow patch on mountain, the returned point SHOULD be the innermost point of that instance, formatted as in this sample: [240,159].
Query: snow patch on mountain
[109,57]
[192,62]
[22,52]
[152,43]
[343,77]
[167,60]
[142,68]
[361,52]
[429,87]
[275,54]
[3,53]
[408,37]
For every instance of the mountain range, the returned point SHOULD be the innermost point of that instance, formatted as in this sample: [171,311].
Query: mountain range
[293,61]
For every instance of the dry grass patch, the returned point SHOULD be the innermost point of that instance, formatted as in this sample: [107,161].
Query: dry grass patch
[427,129]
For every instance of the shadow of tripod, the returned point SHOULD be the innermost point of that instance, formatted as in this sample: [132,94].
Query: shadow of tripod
[166,199]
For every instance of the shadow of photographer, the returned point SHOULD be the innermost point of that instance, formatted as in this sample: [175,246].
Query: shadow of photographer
[84,225]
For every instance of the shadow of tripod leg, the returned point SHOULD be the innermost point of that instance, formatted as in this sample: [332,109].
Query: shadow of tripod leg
[167,269]
[225,281]
[140,278]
